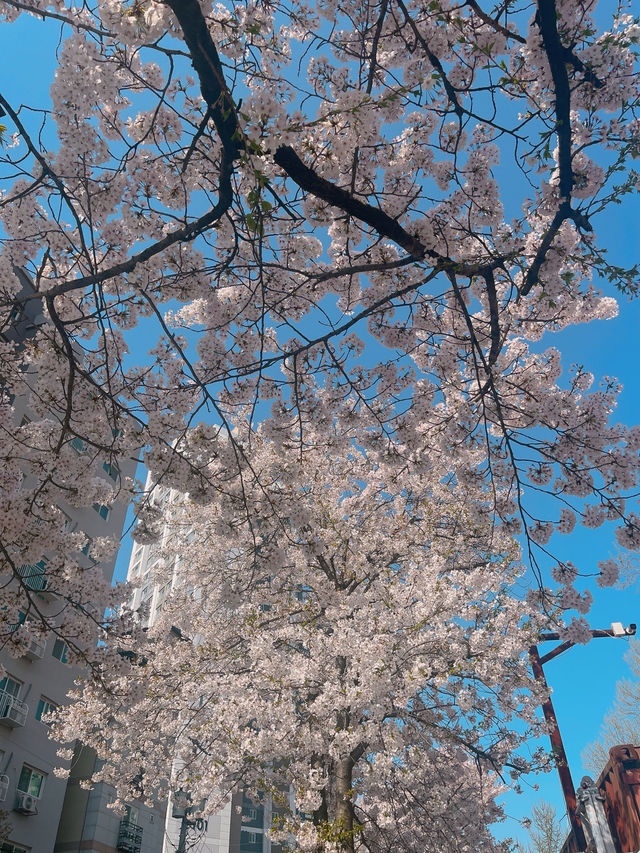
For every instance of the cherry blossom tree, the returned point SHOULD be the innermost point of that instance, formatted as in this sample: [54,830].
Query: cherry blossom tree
[354,211]
[362,219]
[347,632]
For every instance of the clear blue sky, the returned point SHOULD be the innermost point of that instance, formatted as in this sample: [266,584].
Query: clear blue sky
[583,680]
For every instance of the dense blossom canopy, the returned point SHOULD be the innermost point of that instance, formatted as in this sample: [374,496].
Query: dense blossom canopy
[346,631]
[348,219]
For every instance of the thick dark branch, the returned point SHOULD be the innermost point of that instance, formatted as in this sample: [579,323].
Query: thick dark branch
[374,46]
[311,182]
[66,343]
[557,55]
[494,317]
[207,65]
[563,213]
[433,59]
[571,59]
[547,22]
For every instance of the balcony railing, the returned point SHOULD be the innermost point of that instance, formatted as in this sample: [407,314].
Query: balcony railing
[13,712]
[129,837]
[34,576]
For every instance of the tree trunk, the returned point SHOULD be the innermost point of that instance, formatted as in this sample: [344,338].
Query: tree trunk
[344,805]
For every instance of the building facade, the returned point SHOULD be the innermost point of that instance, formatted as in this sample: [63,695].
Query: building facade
[88,824]
[242,826]
[38,674]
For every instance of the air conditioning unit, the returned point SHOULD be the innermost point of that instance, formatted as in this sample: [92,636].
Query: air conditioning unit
[13,712]
[35,649]
[26,804]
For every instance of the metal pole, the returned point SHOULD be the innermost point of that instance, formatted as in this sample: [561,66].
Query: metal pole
[557,747]
[182,841]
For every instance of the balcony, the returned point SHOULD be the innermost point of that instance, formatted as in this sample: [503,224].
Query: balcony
[13,712]
[4,788]
[129,837]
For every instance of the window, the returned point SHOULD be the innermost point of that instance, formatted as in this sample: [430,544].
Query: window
[132,814]
[22,617]
[250,842]
[102,510]
[112,470]
[9,847]
[60,650]
[31,781]
[10,687]
[45,706]
[78,445]
[70,526]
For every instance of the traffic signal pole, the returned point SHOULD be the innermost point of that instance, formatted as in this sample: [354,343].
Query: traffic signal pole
[559,754]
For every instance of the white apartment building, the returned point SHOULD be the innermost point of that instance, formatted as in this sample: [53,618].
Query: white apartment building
[242,826]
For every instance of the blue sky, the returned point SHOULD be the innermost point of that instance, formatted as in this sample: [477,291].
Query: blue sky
[583,679]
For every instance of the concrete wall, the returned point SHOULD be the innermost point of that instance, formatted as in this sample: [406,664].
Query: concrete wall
[44,676]
[87,823]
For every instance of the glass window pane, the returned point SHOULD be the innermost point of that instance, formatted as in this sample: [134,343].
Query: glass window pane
[60,650]
[44,707]
[112,470]
[9,686]
[25,778]
[30,781]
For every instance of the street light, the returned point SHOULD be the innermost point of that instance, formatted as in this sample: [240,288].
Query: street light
[557,746]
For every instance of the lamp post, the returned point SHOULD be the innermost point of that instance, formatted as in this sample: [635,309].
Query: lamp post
[183,811]
[557,746]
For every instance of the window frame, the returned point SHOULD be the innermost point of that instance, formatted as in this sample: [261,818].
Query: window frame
[64,650]
[112,470]
[103,511]
[10,847]
[33,771]
[16,681]
[45,706]
[81,447]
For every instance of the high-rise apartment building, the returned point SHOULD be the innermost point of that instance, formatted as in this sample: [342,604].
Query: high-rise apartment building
[36,683]
[38,673]
[242,826]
